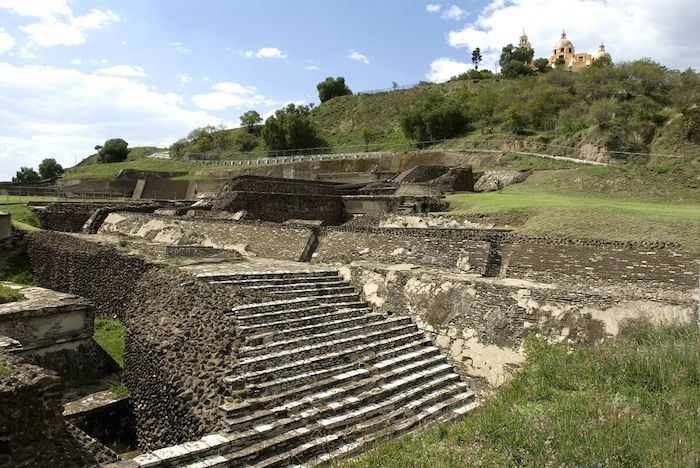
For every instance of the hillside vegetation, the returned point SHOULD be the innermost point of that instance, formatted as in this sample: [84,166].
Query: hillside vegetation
[630,402]
[631,107]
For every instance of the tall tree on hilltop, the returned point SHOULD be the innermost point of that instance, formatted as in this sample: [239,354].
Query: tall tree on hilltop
[49,168]
[476,58]
[332,87]
[250,119]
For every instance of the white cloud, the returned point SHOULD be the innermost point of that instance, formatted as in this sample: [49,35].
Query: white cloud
[123,43]
[444,68]
[179,47]
[76,61]
[79,110]
[265,52]
[38,8]
[123,70]
[183,78]
[453,13]
[206,78]
[69,30]
[358,57]
[227,94]
[433,8]
[7,42]
[312,67]
[631,29]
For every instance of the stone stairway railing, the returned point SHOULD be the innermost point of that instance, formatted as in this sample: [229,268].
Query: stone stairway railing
[321,376]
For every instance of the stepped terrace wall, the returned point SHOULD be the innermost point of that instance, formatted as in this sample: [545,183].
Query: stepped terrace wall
[279,200]
[500,253]
[481,323]
[32,429]
[180,341]
[65,217]
[248,238]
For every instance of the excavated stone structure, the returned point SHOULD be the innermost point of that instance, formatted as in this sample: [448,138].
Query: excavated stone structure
[321,375]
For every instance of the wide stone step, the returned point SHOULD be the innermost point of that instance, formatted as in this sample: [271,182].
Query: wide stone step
[334,332]
[285,303]
[305,284]
[327,359]
[283,434]
[277,281]
[271,338]
[315,292]
[297,312]
[256,362]
[221,276]
[423,412]
[441,405]
[279,325]
[267,393]
[346,385]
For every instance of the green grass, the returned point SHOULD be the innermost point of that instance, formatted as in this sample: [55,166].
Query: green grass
[118,389]
[630,402]
[606,203]
[110,171]
[10,295]
[14,267]
[109,334]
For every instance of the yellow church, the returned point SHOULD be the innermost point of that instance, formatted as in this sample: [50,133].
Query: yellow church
[564,54]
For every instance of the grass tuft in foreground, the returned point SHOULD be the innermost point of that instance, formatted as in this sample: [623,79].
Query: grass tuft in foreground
[10,295]
[631,402]
[109,334]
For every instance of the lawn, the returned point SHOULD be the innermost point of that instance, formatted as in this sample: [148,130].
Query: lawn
[109,334]
[594,203]
[630,402]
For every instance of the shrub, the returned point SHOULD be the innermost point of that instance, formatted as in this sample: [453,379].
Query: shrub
[515,69]
[433,119]
[26,175]
[49,168]
[330,88]
[114,150]
[291,128]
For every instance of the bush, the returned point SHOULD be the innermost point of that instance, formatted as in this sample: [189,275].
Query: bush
[330,88]
[26,175]
[114,150]
[49,169]
[434,119]
[514,69]
[291,128]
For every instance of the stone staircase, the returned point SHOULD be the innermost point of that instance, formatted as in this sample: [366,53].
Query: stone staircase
[321,376]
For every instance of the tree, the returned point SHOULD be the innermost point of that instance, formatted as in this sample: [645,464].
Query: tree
[559,62]
[367,137]
[330,88]
[250,119]
[515,69]
[114,150]
[26,175]
[542,65]
[50,169]
[290,128]
[434,118]
[476,58]
[518,54]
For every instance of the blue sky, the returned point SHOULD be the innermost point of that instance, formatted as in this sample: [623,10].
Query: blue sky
[76,72]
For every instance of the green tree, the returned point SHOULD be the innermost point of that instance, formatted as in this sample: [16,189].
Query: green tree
[511,53]
[434,118]
[367,136]
[114,150]
[49,168]
[332,87]
[26,175]
[290,128]
[250,119]
[515,69]
[559,62]
[542,65]
[476,58]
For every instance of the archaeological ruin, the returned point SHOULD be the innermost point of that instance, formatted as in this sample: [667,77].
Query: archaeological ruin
[293,314]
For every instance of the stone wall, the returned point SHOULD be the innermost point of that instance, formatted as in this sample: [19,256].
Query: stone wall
[5,226]
[32,429]
[481,323]
[248,238]
[500,253]
[279,200]
[180,342]
[66,263]
[66,217]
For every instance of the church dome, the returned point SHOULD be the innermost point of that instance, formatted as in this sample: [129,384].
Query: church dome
[563,43]
[602,53]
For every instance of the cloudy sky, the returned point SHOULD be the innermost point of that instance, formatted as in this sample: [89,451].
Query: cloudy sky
[76,72]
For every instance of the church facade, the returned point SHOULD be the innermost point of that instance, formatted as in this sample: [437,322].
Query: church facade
[564,55]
